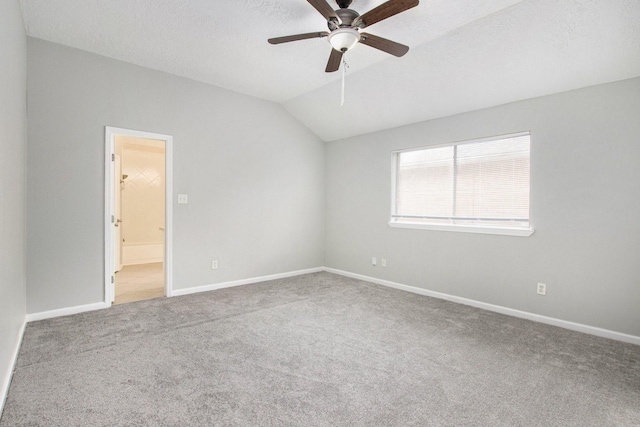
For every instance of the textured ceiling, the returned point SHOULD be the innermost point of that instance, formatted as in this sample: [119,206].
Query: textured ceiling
[465,54]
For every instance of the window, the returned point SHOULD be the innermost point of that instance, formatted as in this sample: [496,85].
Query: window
[477,186]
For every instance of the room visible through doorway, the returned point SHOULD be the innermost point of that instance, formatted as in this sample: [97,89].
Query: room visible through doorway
[139,282]
[138,216]
[140,192]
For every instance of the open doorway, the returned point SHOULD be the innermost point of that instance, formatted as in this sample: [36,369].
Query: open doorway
[138,216]
[139,210]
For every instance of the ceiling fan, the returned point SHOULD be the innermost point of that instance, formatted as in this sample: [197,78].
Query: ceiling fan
[345,25]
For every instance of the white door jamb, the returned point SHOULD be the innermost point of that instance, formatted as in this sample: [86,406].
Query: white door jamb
[109,278]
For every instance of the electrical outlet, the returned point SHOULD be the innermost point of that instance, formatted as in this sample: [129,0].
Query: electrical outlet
[374,261]
[383,262]
[214,264]
[542,289]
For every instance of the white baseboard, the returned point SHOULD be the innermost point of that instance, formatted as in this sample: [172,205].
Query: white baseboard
[592,330]
[206,288]
[142,254]
[6,380]
[32,317]
[143,261]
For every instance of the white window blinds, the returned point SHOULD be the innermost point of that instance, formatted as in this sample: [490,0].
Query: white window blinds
[477,183]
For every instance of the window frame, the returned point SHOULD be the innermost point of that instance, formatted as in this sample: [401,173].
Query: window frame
[465,228]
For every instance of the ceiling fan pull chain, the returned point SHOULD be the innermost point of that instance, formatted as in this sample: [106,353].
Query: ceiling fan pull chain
[344,72]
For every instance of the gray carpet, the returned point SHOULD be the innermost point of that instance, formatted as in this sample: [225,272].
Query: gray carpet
[316,350]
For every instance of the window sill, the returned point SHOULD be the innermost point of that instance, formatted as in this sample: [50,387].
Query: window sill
[520,232]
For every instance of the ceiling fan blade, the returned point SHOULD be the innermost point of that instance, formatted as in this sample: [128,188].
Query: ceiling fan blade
[383,44]
[334,61]
[286,39]
[325,10]
[384,11]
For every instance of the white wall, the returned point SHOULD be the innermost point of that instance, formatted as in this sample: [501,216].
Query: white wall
[585,206]
[254,176]
[13,86]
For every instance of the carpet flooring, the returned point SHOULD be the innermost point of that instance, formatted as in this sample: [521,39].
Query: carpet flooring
[316,350]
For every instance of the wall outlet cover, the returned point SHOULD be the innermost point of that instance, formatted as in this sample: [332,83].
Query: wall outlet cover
[542,289]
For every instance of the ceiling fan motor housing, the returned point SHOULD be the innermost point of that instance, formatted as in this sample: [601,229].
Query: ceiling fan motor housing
[347,16]
[343,4]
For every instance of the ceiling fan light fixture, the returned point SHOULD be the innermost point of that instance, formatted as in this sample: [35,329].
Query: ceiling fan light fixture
[344,39]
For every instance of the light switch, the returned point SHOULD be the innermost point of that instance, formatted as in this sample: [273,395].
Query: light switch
[183,199]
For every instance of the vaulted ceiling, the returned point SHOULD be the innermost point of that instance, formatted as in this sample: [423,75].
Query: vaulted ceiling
[465,54]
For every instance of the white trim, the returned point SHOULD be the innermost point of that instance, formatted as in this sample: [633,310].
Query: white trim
[591,330]
[102,305]
[142,254]
[6,381]
[466,141]
[33,317]
[143,261]
[521,232]
[108,211]
[168,217]
[206,288]
[505,231]
[394,187]
[110,134]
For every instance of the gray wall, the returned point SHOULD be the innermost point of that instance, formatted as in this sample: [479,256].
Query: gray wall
[254,176]
[13,87]
[585,206]
[256,180]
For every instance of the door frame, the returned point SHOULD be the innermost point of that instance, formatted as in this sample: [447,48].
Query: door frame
[117,200]
[109,202]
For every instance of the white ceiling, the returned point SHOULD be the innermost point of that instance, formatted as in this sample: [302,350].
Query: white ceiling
[465,54]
